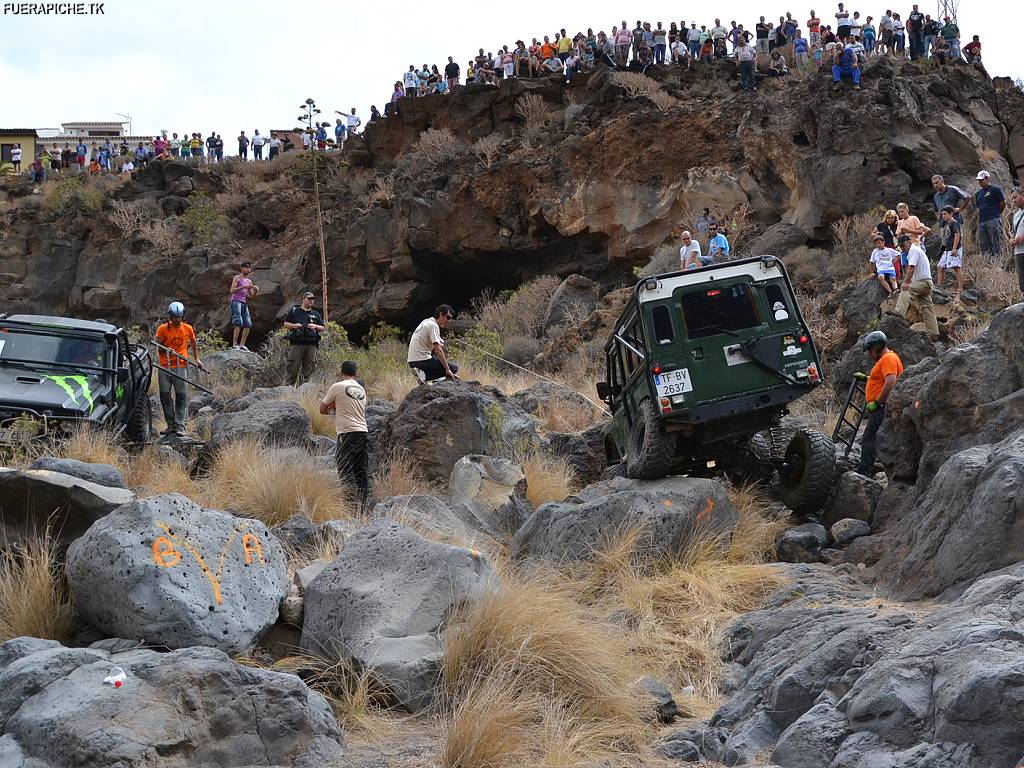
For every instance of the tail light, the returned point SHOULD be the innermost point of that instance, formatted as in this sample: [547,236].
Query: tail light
[812,373]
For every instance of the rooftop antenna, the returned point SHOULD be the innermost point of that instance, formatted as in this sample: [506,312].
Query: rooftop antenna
[947,8]
[129,119]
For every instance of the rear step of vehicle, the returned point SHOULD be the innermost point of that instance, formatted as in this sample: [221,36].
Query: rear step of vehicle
[852,415]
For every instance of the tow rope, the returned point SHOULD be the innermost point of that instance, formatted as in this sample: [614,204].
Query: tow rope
[599,407]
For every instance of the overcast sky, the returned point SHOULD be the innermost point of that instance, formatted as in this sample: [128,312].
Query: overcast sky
[227,65]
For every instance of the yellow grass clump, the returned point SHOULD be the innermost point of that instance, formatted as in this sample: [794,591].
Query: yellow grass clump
[246,478]
[34,599]
[398,475]
[310,402]
[97,446]
[548,478]
[357,696]
[149,474]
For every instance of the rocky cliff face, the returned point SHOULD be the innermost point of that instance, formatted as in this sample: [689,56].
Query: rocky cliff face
[596,195]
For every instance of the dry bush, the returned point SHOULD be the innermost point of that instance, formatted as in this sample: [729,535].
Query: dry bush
[164,236]
[805,264]
[520,313]
[663,101]
[534,637]
[309,399]
[150,474]
[394,386]
[94,446]
[968,330]
[740,226]
[568,414]
[827,329]
[357,696]
[996,283]
[851,243]
[128,216]
[383,190]
[398,475]
[436,146]
[636,85]
[548,477]
[487,149]
[246,478]
[34,599]
[536,115]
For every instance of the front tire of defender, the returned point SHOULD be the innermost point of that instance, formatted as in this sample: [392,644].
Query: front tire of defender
[808,475]
[652,450]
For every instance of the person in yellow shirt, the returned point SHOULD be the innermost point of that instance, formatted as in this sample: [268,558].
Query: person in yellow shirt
[887,369]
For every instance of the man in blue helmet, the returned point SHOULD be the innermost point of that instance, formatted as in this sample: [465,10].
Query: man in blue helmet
[178,337]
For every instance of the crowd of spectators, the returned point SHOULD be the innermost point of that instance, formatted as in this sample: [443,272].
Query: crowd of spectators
[766,48]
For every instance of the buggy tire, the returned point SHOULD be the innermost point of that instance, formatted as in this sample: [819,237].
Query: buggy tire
[753,462]
[808,476]
[139,426]
[652,450]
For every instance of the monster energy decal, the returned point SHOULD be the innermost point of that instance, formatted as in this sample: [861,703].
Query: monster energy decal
[83,385]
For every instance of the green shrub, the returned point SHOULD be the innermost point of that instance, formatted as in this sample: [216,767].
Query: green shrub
[73,195]
[208,224]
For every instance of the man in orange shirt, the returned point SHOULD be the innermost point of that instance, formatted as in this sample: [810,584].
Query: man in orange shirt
[888,367]
[547,50]
[179,337]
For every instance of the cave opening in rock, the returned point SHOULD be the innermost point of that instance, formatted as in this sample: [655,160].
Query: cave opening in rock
[801,140]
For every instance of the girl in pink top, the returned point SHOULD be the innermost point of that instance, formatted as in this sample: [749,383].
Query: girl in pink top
[241,289]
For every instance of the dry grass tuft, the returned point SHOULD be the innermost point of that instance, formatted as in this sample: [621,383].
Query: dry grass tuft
[398,475]
[548,478]
[357,696]
[851,239]
[34,599]
[96,446]
[393,386]
[490,726]
[565,414]
[246,478]
[968,330]
[539,645]
[150,474]
[310,402]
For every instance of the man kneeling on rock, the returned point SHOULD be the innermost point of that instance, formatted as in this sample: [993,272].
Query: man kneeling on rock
[346,399]
[888,367]
[427,355]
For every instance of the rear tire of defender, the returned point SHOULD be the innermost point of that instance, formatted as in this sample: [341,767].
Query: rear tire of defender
[139,426]
[808,476]
[755,463]
[652,450]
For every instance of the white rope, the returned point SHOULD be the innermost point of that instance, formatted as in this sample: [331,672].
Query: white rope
[534,373]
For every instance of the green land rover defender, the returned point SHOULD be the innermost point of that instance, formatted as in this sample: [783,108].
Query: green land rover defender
[701,367]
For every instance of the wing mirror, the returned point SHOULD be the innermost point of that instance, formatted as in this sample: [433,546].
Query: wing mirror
[603,391]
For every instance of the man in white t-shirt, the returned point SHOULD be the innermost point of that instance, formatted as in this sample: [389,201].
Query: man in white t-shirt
[1017,232]
[917,287]
[353,121]
[346,399]
[689,253]
[426,348]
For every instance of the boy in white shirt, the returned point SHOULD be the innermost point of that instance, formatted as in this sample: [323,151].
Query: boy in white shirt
[884,268]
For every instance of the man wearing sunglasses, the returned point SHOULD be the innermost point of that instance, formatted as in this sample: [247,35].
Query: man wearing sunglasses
[689,253]
[718,244]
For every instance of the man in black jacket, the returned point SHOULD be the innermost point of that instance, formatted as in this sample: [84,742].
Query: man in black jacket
[304,325]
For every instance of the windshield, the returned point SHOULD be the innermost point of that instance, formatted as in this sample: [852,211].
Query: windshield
[40,348]
[711,311]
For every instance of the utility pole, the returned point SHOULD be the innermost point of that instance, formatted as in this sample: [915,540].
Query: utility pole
[947,8]
[309,110]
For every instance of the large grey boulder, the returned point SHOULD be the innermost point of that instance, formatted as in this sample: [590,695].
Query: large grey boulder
[166,571]
[36,499]
[437,425]
[846,531]
[385,603]
[494,492]
[101,474]
[966,524]
[801,544]
[573,300]
[231,366]
[430,516]
[191,708]
[835,679]
[275,422]
[855,497]
[584,451]
[672,513]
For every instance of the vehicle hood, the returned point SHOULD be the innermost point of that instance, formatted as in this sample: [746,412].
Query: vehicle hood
[63,393]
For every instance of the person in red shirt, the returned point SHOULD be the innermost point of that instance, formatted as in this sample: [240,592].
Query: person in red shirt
[179,338]
[972,51]
[887,369]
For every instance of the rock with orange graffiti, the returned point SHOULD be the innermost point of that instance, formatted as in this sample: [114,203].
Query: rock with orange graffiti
[168,572]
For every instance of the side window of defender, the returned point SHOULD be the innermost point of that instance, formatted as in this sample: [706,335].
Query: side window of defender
[631,358]
[662,322]
[777,303]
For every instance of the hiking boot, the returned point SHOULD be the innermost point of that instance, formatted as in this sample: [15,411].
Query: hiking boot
[856,87]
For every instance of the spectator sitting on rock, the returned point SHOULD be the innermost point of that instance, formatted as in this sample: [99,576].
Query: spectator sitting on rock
[886,370]
[845,65]
[884,260]
[553,65]
[426,347]
[917,287]
[972,51]
[718,244]
[689,252]
[952,249]
[346,400]
[777,67]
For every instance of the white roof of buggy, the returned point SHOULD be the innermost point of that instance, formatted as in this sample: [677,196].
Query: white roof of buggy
[667,284]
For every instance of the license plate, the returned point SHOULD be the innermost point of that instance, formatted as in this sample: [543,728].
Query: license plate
[671,383]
